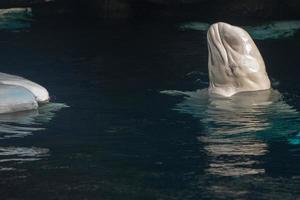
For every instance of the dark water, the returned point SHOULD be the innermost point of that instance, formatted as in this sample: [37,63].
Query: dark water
[120,138]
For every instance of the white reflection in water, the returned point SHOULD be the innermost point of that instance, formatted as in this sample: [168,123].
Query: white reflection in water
[22,153]
[237,127]
[10,156]
[21,124]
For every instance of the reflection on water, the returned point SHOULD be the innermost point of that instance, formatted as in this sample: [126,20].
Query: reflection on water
[238,127]
[14,155]
[21,124]
[272,30]
[15,18]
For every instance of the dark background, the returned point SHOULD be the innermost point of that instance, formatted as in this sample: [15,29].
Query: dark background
[161,9]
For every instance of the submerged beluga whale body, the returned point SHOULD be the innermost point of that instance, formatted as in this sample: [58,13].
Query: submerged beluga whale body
[234,63]
[20,94]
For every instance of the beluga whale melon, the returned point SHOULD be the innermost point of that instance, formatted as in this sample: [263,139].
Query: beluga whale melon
[234,62]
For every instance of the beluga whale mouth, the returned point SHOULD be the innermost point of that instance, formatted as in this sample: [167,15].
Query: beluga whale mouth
[234,62]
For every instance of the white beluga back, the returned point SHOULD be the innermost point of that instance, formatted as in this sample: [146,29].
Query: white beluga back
[19,94]
[234,63]
[39,92]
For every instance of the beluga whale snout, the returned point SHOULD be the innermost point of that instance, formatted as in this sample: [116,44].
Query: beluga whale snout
[234,62]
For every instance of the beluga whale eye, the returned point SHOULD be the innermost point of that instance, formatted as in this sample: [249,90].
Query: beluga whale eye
[234,64]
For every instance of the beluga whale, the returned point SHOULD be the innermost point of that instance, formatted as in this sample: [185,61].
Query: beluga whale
[20,94]
[237,101]
[239,114]
[234,61]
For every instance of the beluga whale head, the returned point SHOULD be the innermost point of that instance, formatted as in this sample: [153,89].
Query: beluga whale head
[234,63]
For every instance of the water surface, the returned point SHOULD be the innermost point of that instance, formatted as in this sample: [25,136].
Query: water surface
[121,138]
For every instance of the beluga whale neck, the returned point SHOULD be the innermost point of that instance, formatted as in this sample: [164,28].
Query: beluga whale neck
[234,62]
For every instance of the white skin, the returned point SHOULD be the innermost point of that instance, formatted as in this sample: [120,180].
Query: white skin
[234,63]
[40,94]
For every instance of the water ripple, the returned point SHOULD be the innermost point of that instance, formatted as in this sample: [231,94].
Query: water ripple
[21,124]
[238,129]
[11,156]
